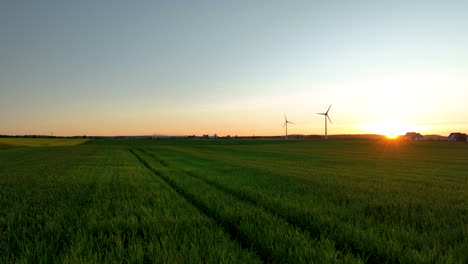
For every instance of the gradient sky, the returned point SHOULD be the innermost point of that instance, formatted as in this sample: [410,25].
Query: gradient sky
[232,67]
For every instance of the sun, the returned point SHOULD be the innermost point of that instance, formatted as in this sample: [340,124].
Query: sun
[391,136]
[390,129]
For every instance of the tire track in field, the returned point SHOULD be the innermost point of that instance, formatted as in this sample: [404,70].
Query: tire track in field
[163,162]
[342,248]
[217,186]
[233,232]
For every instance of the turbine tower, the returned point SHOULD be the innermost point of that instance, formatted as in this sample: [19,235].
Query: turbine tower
[326,116]
[286,125]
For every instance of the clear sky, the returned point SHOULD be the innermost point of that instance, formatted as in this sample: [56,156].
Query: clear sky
[232,67]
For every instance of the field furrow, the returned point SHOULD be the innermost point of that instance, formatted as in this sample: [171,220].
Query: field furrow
[274,239]
[102,206]
[365,235]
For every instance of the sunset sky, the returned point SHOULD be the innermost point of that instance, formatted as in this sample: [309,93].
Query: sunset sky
[233,67]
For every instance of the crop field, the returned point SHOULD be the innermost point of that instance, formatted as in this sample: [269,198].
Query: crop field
[234,201]
[39,142]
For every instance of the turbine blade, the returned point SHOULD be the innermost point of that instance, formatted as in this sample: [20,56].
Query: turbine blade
[321,114]
[329,120]
[328,109]
[291,123]
[285,119]
[284,124]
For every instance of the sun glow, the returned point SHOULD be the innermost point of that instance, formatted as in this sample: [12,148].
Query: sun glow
[390,129]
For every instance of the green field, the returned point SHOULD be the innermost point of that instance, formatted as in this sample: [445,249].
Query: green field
[40,142]
[234,201]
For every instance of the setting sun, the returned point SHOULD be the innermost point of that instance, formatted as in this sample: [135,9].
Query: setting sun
[391,129]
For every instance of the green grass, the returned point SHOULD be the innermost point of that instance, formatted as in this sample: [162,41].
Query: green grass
[235,201]
[40,142]
[91,204]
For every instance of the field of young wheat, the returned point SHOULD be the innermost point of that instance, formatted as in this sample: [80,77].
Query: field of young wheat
[234,201]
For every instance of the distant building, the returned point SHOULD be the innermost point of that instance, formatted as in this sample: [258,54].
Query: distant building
[413,136]
[457,137]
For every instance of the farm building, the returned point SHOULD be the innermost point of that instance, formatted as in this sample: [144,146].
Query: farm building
[413,136]
[457,137]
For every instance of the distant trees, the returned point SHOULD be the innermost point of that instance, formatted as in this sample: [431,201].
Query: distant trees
[461,137]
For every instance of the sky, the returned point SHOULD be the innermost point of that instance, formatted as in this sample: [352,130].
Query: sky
[232,67]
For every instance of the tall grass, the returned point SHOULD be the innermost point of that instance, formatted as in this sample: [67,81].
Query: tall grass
[383,201]
[94,204]
[235,201]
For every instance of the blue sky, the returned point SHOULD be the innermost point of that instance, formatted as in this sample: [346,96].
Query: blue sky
[232,67]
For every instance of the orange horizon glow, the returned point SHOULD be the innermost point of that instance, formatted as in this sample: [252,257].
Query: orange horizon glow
[389,129]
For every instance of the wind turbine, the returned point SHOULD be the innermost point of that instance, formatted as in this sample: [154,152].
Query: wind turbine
[326,116]
[286,125]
